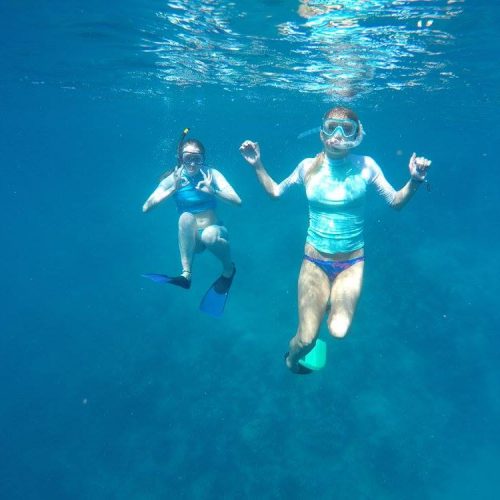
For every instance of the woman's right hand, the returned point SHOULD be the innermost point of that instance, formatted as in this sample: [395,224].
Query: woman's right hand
[178,179]
[251,152]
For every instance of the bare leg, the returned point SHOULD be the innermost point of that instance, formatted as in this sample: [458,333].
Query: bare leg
[344,297]
[187,241]
[314,291]
[216,240]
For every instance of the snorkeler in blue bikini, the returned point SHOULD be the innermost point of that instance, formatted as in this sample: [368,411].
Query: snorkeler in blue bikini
[195,189]
[335,182]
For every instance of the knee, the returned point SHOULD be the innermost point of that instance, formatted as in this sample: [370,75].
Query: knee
[186,220]
[339,326]
[210,235]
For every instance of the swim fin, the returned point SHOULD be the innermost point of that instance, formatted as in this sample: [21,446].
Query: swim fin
[316,358]
[173,280]
[214,301]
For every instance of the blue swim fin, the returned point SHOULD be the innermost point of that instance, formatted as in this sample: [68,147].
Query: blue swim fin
[214,301]
[173,280]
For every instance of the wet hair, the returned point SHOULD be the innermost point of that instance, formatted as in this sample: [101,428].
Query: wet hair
[337,112]
[341,112]
[192,142]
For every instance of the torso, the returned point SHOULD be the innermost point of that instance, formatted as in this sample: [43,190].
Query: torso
[336,194]
[190,199]
[205,219]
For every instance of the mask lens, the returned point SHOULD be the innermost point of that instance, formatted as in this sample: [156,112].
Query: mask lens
[192,158]
[348,128]
[329,127]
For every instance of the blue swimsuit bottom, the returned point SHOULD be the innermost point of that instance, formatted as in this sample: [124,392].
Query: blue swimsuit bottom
[332,268]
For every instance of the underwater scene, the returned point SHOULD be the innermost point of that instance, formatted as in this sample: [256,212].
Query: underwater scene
[116,387]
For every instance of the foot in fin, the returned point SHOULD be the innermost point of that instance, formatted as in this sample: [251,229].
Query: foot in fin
[315,359]
[299,369]
[214,301]
[181,280]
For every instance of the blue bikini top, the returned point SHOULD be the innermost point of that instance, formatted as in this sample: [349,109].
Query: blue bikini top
[189,199]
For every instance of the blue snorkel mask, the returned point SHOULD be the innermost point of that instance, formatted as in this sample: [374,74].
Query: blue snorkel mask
[346,133]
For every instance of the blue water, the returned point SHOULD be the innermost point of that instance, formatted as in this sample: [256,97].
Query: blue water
[116,388]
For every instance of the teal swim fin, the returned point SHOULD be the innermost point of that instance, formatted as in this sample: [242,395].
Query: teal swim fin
[214,301]
[316,359]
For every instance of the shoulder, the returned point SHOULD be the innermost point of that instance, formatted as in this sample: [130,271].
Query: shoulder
[306,163]
[218,178]
[305,166]
[214,172]
[297,176]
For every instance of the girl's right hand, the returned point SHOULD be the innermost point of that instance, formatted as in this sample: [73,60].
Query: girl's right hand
[251,152]
[179,181]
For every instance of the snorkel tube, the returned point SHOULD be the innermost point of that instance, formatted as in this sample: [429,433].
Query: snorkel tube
[179,154]
[179,146]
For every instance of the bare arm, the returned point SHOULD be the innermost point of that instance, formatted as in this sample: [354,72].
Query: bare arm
[251,153]
[165,189]
[222,188]
[405,194]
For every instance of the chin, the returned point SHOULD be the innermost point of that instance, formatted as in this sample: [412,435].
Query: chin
[337,148]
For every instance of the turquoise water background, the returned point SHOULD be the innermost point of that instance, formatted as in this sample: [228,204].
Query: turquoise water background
[116,388]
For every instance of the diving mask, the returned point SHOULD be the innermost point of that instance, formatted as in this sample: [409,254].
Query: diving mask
[192,159]
[348,128]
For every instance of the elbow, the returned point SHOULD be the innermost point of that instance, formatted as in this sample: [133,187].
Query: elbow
[396,203]
[274,194]
[397,206]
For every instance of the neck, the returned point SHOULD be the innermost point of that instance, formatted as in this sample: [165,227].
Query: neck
[336,154]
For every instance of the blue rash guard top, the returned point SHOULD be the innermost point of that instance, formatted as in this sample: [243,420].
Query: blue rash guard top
[336,194]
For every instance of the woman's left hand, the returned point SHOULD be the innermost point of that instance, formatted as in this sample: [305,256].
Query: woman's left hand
[205,185]
[418,167]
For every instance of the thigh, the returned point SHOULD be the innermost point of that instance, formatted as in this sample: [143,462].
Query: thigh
[314,292]
[344,296]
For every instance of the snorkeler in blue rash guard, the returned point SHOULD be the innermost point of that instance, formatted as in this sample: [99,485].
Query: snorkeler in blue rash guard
[335,183]
[195,189]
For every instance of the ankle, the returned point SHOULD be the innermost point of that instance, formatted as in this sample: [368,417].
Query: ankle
[186,274]
[228,272]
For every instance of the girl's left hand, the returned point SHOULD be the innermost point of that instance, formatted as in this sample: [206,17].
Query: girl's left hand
[206,184]
[418,167]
